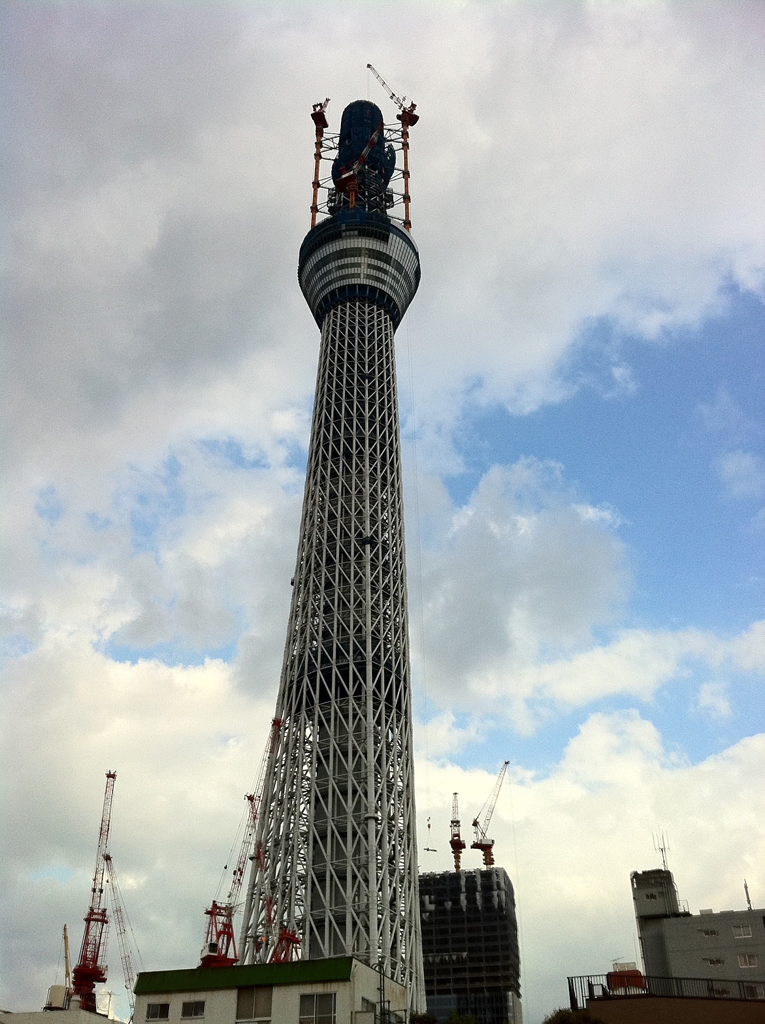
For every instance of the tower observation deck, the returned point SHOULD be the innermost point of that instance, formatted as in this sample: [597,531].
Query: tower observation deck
[336,863]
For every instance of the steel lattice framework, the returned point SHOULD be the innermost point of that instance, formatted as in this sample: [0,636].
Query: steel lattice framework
[336,860]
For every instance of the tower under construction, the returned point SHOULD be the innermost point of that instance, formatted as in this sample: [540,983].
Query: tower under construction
[470,946]
[335,864]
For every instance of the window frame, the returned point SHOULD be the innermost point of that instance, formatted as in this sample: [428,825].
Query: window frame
[254,989]
[315,1017]
[160,1015]
[747,961]
[741,931]
[194,1004]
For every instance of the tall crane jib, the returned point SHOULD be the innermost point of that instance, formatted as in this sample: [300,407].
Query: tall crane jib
[89,970]
[456,841]
[219,949]
[118,915]
[408,119]
[481,827]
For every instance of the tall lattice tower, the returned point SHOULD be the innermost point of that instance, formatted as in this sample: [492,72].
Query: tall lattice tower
[335,868]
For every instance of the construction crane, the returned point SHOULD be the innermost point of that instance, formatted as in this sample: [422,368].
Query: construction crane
[408,119]
[481,828]
[456,842]
[67,968]
[119,921]
[220,945]
[89,970]
[320,120]
[347,180]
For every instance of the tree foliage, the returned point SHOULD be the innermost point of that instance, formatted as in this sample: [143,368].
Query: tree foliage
[572,1017]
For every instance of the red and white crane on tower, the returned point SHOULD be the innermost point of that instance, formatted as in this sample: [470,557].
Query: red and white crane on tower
[481,828]
[89,971]
[220,945]
[456,841]
[408,119]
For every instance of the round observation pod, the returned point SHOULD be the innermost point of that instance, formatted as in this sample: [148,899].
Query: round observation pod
[369,259]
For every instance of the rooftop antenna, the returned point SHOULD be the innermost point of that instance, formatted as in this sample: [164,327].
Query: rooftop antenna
[748,900]
[661,845]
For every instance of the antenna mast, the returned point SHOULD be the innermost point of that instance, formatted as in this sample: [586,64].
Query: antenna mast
[661,845]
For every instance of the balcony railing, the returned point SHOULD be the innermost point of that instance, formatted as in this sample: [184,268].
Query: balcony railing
[634,985]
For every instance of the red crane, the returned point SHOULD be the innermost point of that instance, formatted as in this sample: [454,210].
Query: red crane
[347,180]
[320,120]
[408,118]
[220,945]
[89,970]
[119,920]
[481,828]
[456,842]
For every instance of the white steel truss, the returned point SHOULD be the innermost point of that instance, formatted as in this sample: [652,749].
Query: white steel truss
[336,835]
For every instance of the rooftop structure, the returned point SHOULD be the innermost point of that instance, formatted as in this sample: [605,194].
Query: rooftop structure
[335,866]
[342,990]
[470,945]
[729,944]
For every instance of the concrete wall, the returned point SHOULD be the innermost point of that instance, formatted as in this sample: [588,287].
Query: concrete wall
[220,1004]
[692,942]
[650,1010]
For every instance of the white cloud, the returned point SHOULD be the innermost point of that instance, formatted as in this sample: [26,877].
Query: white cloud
[742,474]
[713,698]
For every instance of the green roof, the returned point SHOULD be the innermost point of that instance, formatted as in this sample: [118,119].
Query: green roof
[199,979]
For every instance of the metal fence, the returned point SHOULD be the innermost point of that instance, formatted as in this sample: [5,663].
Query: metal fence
[636,986]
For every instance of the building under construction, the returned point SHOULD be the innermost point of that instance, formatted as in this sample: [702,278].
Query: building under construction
[470,945]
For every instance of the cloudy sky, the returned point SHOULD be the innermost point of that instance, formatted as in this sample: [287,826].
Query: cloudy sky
[581,379]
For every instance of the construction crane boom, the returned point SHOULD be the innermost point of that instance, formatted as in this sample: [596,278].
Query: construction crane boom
[400,101]
[89,971]
[456,841]
[481,828]
[220,944]
[408,119]
[67,965]
[119,921]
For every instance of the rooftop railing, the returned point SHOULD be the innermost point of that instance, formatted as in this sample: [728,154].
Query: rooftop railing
[634,985]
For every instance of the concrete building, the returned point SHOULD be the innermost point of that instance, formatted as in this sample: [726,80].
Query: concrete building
[342,990]
[470,945]
[727,945]
[71,1014]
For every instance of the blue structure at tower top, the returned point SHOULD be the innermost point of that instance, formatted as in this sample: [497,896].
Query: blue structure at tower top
[359,122]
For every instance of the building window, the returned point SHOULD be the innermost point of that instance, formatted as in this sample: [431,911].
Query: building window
[742,931]
[195,1009]
[157,1011]
[713,961]
[747,959]
[651,896]
[318,1008]
[254,1003]
[709,932]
